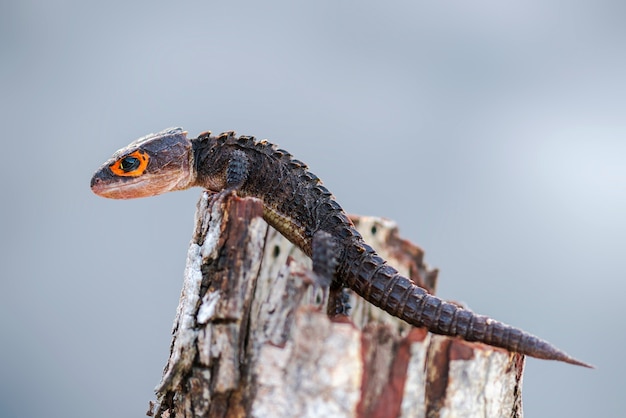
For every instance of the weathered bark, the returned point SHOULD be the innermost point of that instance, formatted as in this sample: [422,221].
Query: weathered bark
[251,337]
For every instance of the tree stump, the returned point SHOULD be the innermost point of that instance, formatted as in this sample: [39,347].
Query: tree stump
[252,337]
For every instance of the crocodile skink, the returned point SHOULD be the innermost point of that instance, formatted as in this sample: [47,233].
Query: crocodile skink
[297,205]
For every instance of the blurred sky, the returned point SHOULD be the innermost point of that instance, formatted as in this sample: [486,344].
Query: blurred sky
[492,132]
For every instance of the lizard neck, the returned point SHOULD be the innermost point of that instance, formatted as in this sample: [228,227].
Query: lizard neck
[209,163]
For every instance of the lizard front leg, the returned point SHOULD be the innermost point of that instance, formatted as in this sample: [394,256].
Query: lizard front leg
[237,170]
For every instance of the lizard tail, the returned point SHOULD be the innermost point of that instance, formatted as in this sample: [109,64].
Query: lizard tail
[383,286]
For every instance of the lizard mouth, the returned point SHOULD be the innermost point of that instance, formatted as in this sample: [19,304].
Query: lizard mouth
[105,184]
[113,191]
[123,187]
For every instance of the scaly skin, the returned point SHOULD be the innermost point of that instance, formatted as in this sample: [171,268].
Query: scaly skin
[298,205]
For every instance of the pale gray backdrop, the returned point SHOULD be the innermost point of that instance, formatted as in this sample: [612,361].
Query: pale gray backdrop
[493,132]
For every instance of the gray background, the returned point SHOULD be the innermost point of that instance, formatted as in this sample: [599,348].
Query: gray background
[493,132]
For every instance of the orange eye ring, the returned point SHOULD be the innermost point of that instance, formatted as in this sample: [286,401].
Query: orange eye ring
[131,165]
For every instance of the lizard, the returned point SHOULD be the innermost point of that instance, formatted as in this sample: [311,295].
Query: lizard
[296,203]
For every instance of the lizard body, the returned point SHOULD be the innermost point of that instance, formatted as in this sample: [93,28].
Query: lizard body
[298,206]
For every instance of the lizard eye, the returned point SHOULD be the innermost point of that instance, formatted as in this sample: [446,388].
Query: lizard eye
[132,165]
[129,163]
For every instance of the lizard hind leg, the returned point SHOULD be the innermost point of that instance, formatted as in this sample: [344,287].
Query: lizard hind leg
[324,258]
[339,300]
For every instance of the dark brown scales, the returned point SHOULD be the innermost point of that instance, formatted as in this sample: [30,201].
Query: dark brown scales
[298,206]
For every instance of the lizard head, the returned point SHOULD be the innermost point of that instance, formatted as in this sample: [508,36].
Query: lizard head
[154,164]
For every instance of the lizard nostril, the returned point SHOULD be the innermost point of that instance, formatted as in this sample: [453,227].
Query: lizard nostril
[95,180]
